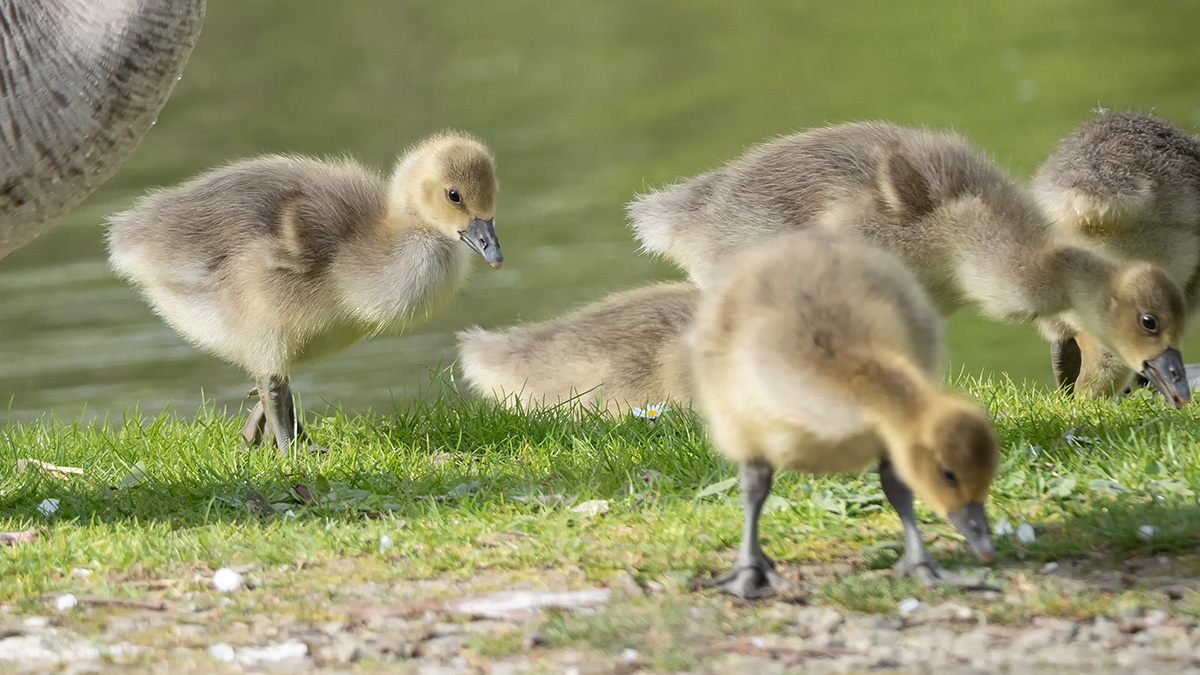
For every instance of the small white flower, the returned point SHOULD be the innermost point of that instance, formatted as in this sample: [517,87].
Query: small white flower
[1049,567]
[908,606]
[1002,528]
[48,506]
[1147,532]
[1025,533]
[222,652]
[651,411]
[227,580]
[629,655]
[64,602]
[385,542]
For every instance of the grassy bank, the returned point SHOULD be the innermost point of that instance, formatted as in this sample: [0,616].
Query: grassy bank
[447,494]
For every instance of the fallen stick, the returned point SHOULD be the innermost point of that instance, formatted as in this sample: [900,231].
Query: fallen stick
[22,537]
[133,603]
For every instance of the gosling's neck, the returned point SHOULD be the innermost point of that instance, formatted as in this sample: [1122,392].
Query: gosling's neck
[1084,277]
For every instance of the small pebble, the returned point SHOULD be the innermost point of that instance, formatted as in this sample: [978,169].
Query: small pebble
[385,542]
[908,606]
[1154,617]
[81,572]
[1147,532]
[629,655]
[1049,567]
[289,514]
[48,506]
[222,652]
[227,580]
[757,642]
[1025,533]
[1003,527]
[64,602]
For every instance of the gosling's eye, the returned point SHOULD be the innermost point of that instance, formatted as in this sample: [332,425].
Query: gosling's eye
[948,475]
[1149,323]
[453,196]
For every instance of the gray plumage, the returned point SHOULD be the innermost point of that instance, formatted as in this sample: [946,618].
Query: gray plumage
[961,224]
[278,260]
[623,350]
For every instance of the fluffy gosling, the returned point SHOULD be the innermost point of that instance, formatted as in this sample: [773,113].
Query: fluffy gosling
[963,227]
[623,350]
[278,260]
[817,353]
[1129,182]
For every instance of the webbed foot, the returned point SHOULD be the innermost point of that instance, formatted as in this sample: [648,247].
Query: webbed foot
[752,581]
[931,574]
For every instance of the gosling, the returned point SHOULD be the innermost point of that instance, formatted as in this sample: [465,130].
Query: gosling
[963,227]
[1129,182]
[279,260]
[820,353]
[623,350]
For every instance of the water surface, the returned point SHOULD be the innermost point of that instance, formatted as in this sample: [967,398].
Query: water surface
[585,104]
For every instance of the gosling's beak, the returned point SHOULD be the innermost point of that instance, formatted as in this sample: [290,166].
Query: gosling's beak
[481,236]
[1169,378]
[973,523]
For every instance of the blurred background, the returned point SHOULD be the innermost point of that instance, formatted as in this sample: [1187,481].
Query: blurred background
[585,103]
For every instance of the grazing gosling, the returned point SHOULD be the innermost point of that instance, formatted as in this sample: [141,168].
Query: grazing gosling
[818,353]
[1129,182]
[963,227]
[279,260]
[626,349]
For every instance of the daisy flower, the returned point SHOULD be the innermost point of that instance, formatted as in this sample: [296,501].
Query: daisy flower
[651,411]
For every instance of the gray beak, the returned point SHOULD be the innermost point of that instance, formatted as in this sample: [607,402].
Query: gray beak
[481,236]
[972,522]
[1169,378]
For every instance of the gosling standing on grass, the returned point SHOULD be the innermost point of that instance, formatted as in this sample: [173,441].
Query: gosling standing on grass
[621,351]
[1129,182]
[961,225]
[279,260]
[820,354]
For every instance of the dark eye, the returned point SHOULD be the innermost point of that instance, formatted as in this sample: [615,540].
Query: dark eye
[1149,323]
[453,196]
[948,475]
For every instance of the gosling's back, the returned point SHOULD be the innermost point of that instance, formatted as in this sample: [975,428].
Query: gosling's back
[1130,181]
[624,350]
[850,178]
[240,259]
[796,353]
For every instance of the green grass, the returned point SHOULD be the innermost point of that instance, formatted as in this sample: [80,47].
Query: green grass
[165,498]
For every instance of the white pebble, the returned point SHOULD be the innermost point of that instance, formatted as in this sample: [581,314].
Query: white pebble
[757,642]
[629,655]
[908,606]
[385,542]
[222,652]
[64,602]
[48,506]
[1025,533]
[1147,532]
[81,572]
[227,580]
[289,514]
[1002,528]
[1049,567]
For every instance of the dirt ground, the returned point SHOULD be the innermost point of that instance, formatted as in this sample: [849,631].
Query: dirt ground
[484,626]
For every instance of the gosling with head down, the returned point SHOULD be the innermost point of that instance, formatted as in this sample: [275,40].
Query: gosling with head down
[623,350]
[963,227]
[820,354]
[1129,182]
[279,260]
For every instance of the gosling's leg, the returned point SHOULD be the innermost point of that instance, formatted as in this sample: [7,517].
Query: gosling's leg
[916,562]
[256,422]
[275,396]
[1065,360]
[753,574]
[1101,374]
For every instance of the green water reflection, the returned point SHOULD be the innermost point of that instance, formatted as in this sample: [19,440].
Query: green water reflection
[585,103]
